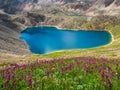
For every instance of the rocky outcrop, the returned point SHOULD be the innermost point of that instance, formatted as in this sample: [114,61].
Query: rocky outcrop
[104,7]
[103,22]
[117,2]
[30,19]
[78,7]
[14,6]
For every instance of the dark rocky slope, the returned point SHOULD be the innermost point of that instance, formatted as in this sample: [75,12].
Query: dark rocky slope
[79,6]
[9,37]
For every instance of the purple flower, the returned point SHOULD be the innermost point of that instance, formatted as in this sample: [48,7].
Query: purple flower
[29,81]
[112,74]
[6,82]
[64,69]
[78,63]
[31,67]
[23,66]
[44,61]
[37,62]
[109,68]
[103,74]
[47,73]
[70,66]
[86,69]
[7,71]
[109,82]
[12,75]
[13,83]
[7,77]
[20,78]
[13,67]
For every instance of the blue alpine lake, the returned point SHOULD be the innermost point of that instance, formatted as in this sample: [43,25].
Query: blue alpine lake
[44,39]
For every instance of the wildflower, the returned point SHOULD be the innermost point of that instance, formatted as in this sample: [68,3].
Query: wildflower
[13,83]
[20,79]
[31,67]
[112,74]
[64,69]
[53,68]
[109,68]
[6,82]
[13,67]
[47,73]
[7,71]
[86,69]
[7,77]
[63,62]
[44,61]
[78,63]
[29,81]
[37,62]
[70,66]
[109,82]
[12,75]
[103,74]
[23,66]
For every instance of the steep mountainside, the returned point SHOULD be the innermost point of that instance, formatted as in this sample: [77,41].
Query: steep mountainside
[79,6]
[13,6]
[104,7]
[9,37]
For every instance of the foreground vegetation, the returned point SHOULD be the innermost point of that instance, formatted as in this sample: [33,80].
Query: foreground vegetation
[79,73]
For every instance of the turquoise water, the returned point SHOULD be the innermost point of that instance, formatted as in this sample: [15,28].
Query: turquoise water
[42,40]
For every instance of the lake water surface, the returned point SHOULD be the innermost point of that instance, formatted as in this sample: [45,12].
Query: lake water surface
[42,40]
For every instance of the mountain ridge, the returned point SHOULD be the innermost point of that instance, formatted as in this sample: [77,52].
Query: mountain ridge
[76,6]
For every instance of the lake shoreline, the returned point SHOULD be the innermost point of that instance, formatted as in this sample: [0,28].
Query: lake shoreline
[63,28]
[75,34]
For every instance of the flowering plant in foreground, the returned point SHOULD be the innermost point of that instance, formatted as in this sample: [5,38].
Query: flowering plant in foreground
[78,73]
